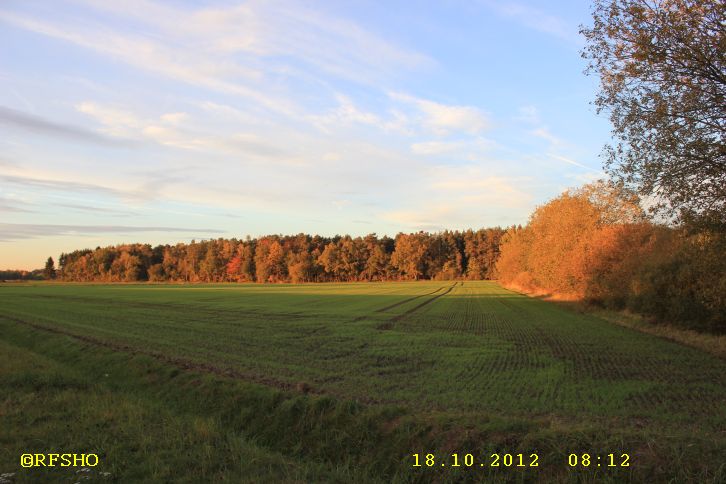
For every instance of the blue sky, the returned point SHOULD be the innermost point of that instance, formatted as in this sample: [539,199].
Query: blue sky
[160,122]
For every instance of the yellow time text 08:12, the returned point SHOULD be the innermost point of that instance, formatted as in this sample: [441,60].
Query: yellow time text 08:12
[594,460]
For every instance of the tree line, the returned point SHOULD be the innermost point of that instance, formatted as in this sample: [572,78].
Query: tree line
[300,258]
[22,275]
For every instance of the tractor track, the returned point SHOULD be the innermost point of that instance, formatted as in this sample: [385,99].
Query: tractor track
[399,303]
[426,302]
[389,324]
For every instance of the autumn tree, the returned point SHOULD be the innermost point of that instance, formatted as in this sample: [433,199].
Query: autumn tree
[512,267]
[455,264]
[49,270]
[270,260]
[352,258]
[562,229]
[481,250]
[443,258]
[297,258]
[553,251]
[329,259]
[409,257]
[211,267]
[378,263]
[301,267]
[662,74]
[173,255]
[156,273]
[189,264]
[619,256]
[241,267]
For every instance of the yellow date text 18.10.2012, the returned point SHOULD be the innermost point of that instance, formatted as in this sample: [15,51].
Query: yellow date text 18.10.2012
[471,460]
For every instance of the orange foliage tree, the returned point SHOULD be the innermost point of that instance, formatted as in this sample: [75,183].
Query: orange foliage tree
[595,244]
[554,252]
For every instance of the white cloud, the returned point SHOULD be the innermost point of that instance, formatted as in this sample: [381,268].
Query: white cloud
[443,119]
[544,133]
[473,185]
[528,114]
[117,122]
[229,113]
[346,113]
[398,122]
[462,197]
[174,130]
[125,124]
[256,50]
[331,156]
[186,64]
[469,149]
[169,136]
[174,118]
[428,148]
[535,19]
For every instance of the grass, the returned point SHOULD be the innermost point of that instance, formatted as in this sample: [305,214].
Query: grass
[711,343]
[343,382]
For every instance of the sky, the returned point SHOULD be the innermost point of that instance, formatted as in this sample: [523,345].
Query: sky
[167,121]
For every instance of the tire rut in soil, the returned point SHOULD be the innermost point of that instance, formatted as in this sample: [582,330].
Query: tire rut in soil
[389,324]
[399,303]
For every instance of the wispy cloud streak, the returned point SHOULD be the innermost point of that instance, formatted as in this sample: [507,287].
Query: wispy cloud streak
[10,232]
[535,19]
[12,118]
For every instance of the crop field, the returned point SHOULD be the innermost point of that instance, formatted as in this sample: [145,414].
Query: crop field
[344,383]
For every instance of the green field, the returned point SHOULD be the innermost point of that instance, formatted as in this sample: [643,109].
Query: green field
[343,383]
